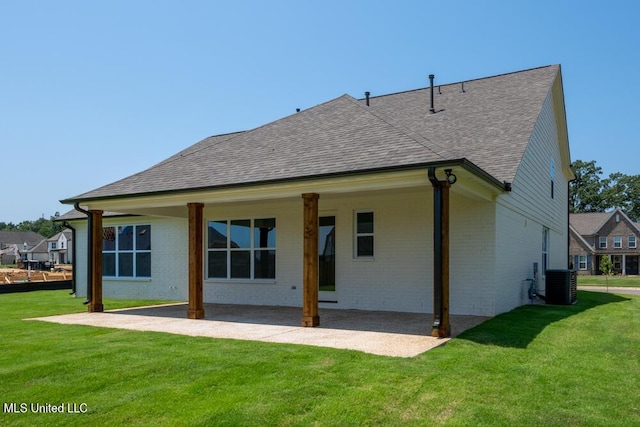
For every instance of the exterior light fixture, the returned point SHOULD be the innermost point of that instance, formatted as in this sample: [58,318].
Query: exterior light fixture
[451,178]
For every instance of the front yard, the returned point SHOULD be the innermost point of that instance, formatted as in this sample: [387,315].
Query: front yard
[613,281]
[537,365]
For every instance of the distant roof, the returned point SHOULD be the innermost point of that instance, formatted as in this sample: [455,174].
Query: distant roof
[589,223]
[20,237]
[489,124]
[74,214]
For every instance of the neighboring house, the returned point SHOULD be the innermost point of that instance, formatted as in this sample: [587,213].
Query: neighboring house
[60,248]
[24,240]
[356,189]
[39,254]
[594,235]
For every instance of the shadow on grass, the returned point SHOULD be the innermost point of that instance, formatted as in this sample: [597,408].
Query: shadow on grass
[521,326]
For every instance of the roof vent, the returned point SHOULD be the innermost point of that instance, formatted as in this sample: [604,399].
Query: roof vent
[432,109]
[366,95]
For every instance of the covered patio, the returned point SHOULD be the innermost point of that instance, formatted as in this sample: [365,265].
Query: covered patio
[377,332]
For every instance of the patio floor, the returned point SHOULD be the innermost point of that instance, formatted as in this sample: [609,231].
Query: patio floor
[377,332]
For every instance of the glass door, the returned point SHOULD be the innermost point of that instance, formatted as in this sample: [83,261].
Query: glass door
[327,258]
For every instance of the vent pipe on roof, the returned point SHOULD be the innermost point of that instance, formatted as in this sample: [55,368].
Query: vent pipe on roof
[463,87]
[431,107]
[366,95]
[297,110]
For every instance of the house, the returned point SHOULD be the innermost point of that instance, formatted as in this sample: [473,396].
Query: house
[60,247]
[23,240]
[596,234]
[437,200]
[37,256]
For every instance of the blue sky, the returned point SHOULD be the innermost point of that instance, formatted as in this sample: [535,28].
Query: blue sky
[91,92]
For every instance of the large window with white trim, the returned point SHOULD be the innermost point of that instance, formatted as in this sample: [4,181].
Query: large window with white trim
[632,241]
[602,242]
[126,251]
[241,249]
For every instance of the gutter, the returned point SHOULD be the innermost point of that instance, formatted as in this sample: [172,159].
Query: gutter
[77,207]
[437,249]
[73,256]
[462,162]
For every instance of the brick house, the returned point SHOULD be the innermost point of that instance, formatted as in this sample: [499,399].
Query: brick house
[431,200]
[593,235]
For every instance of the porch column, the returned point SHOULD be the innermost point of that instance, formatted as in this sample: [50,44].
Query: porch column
[624,265]
[95,304]
[310,315]
[196,272]
[441,327]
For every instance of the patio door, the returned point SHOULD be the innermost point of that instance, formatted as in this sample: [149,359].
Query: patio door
[327,259]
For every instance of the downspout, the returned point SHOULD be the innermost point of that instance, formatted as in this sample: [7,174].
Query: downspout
[437,248]
[73,256]
[89,251]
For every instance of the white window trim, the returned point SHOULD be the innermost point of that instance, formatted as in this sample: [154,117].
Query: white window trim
[252,249]
[617,242]
[600,242]
[581,262]
[356,235]
[635,242]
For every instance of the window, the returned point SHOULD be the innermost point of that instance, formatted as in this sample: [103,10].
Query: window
[126,251]
[242,249]
[364,234]
[603,242]
[632,241]
[617,262]
[545,250]
[53,245]
[617,241]
[61,245]
[552,173]
[582,262]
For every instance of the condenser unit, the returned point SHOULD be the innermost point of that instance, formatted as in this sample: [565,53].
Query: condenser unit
[561,287]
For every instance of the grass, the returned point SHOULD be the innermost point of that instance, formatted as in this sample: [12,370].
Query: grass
[538,365]
[614,281]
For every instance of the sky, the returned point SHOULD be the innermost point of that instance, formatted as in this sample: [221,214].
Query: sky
[94,91]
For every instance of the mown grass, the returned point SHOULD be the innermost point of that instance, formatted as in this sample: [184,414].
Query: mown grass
[538,365]
[614,281]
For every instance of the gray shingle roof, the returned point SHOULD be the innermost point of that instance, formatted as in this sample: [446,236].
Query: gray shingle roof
[489,124]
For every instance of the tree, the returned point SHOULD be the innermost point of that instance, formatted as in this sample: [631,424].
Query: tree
[44,227]
[586,192]
[606,267]
[623,191]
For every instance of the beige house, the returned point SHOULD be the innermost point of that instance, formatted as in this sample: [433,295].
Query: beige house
[436,200]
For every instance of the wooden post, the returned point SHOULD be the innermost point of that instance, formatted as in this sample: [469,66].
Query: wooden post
[95,305]
[310,315]
[196,272]
[444,330]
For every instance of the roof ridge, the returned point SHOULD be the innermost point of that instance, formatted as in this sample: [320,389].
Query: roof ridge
[459,82]
[412,134]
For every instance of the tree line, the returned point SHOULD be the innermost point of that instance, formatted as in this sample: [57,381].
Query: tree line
[45,227]
[590,192]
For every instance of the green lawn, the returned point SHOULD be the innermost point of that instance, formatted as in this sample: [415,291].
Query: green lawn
[620,281]
[538,365]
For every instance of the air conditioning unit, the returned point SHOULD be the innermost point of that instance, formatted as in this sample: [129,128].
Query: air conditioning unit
[561,287]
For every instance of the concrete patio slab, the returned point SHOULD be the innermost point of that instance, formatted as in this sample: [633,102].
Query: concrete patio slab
[376,332]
